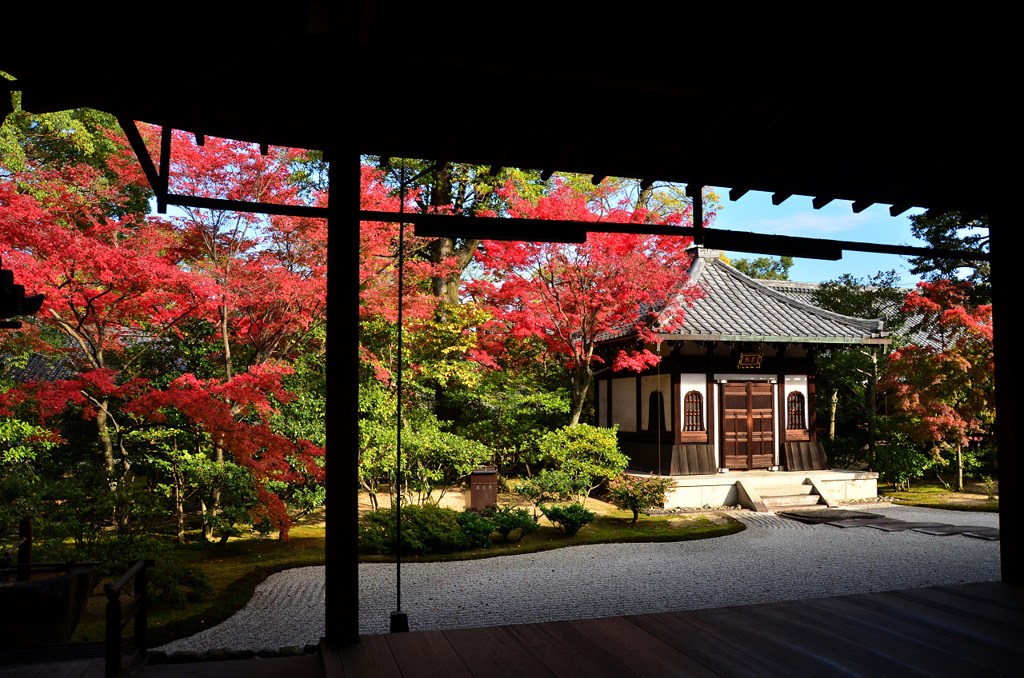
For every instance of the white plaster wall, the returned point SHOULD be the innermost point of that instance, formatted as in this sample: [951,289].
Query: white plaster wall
[698,383]
[797,382]
[624,403]
[693,382]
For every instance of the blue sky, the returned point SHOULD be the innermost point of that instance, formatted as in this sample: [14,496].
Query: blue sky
[755,213]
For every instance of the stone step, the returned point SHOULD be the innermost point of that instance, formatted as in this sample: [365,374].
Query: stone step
[791,500]
[784,490]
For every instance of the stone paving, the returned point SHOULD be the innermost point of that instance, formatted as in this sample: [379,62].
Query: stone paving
[773,559]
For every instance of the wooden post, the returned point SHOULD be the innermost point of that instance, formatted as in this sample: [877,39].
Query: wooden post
[341,559]
[25,549]
[811,411]
[677,408]
[112,641]
[141,603]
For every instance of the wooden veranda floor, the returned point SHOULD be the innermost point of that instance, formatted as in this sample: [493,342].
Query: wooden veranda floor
[945,631]
[962,630]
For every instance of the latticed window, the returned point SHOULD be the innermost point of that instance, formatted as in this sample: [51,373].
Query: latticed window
[693,411]
[795,408]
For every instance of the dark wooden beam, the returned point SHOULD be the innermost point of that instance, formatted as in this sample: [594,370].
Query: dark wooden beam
[737,193]
[820,201]
[1007,375]
[166,134]
[554,230]
[141,152]
[245,206]
[495,228]
[779,198]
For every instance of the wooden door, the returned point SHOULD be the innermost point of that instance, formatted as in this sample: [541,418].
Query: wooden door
[748,425]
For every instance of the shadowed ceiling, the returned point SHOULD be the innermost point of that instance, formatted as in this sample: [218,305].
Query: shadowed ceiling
[905,107]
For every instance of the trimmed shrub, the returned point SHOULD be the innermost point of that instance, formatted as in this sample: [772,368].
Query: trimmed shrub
[638,494]
[899,460]
[569,518]
[477,527]
[507,519]
[550,485]
[587,454]
[425,529]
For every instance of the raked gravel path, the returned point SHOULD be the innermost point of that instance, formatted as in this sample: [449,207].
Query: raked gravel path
[773,559]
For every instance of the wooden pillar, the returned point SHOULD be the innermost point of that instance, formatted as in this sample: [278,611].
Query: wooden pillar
[782,421]
[1011,525]
[342,421]
[677,408]
[711,402]
[811,411]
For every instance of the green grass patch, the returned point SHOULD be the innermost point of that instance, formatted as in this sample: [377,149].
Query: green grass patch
[238,567]
[930,493]
[613,527]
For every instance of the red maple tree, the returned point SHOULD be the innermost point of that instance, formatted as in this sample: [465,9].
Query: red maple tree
[270,271]
[107,282]
[117,288]
[571,296]
[944,388]
[378,276]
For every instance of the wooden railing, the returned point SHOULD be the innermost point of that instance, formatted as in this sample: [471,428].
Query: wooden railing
[119,615]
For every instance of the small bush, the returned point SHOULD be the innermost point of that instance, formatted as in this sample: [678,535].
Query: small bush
[637,494]
[899,460]
[550,485]
[991,486]
[477,527]
[425,529]
[175,584]
[508,519]
[569,518]
[588,455]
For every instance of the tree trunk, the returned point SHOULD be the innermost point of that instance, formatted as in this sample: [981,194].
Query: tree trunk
[210,512]
[580,386]
[104,434]
[871,402]
[225,342]
[959,468]
[833,408]
[207,525]
[179,506]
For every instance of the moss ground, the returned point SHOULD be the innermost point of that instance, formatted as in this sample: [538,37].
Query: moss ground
[237,567]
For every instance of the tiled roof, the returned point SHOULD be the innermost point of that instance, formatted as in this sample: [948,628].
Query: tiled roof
[738,308]
[37,368]
[911,332]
